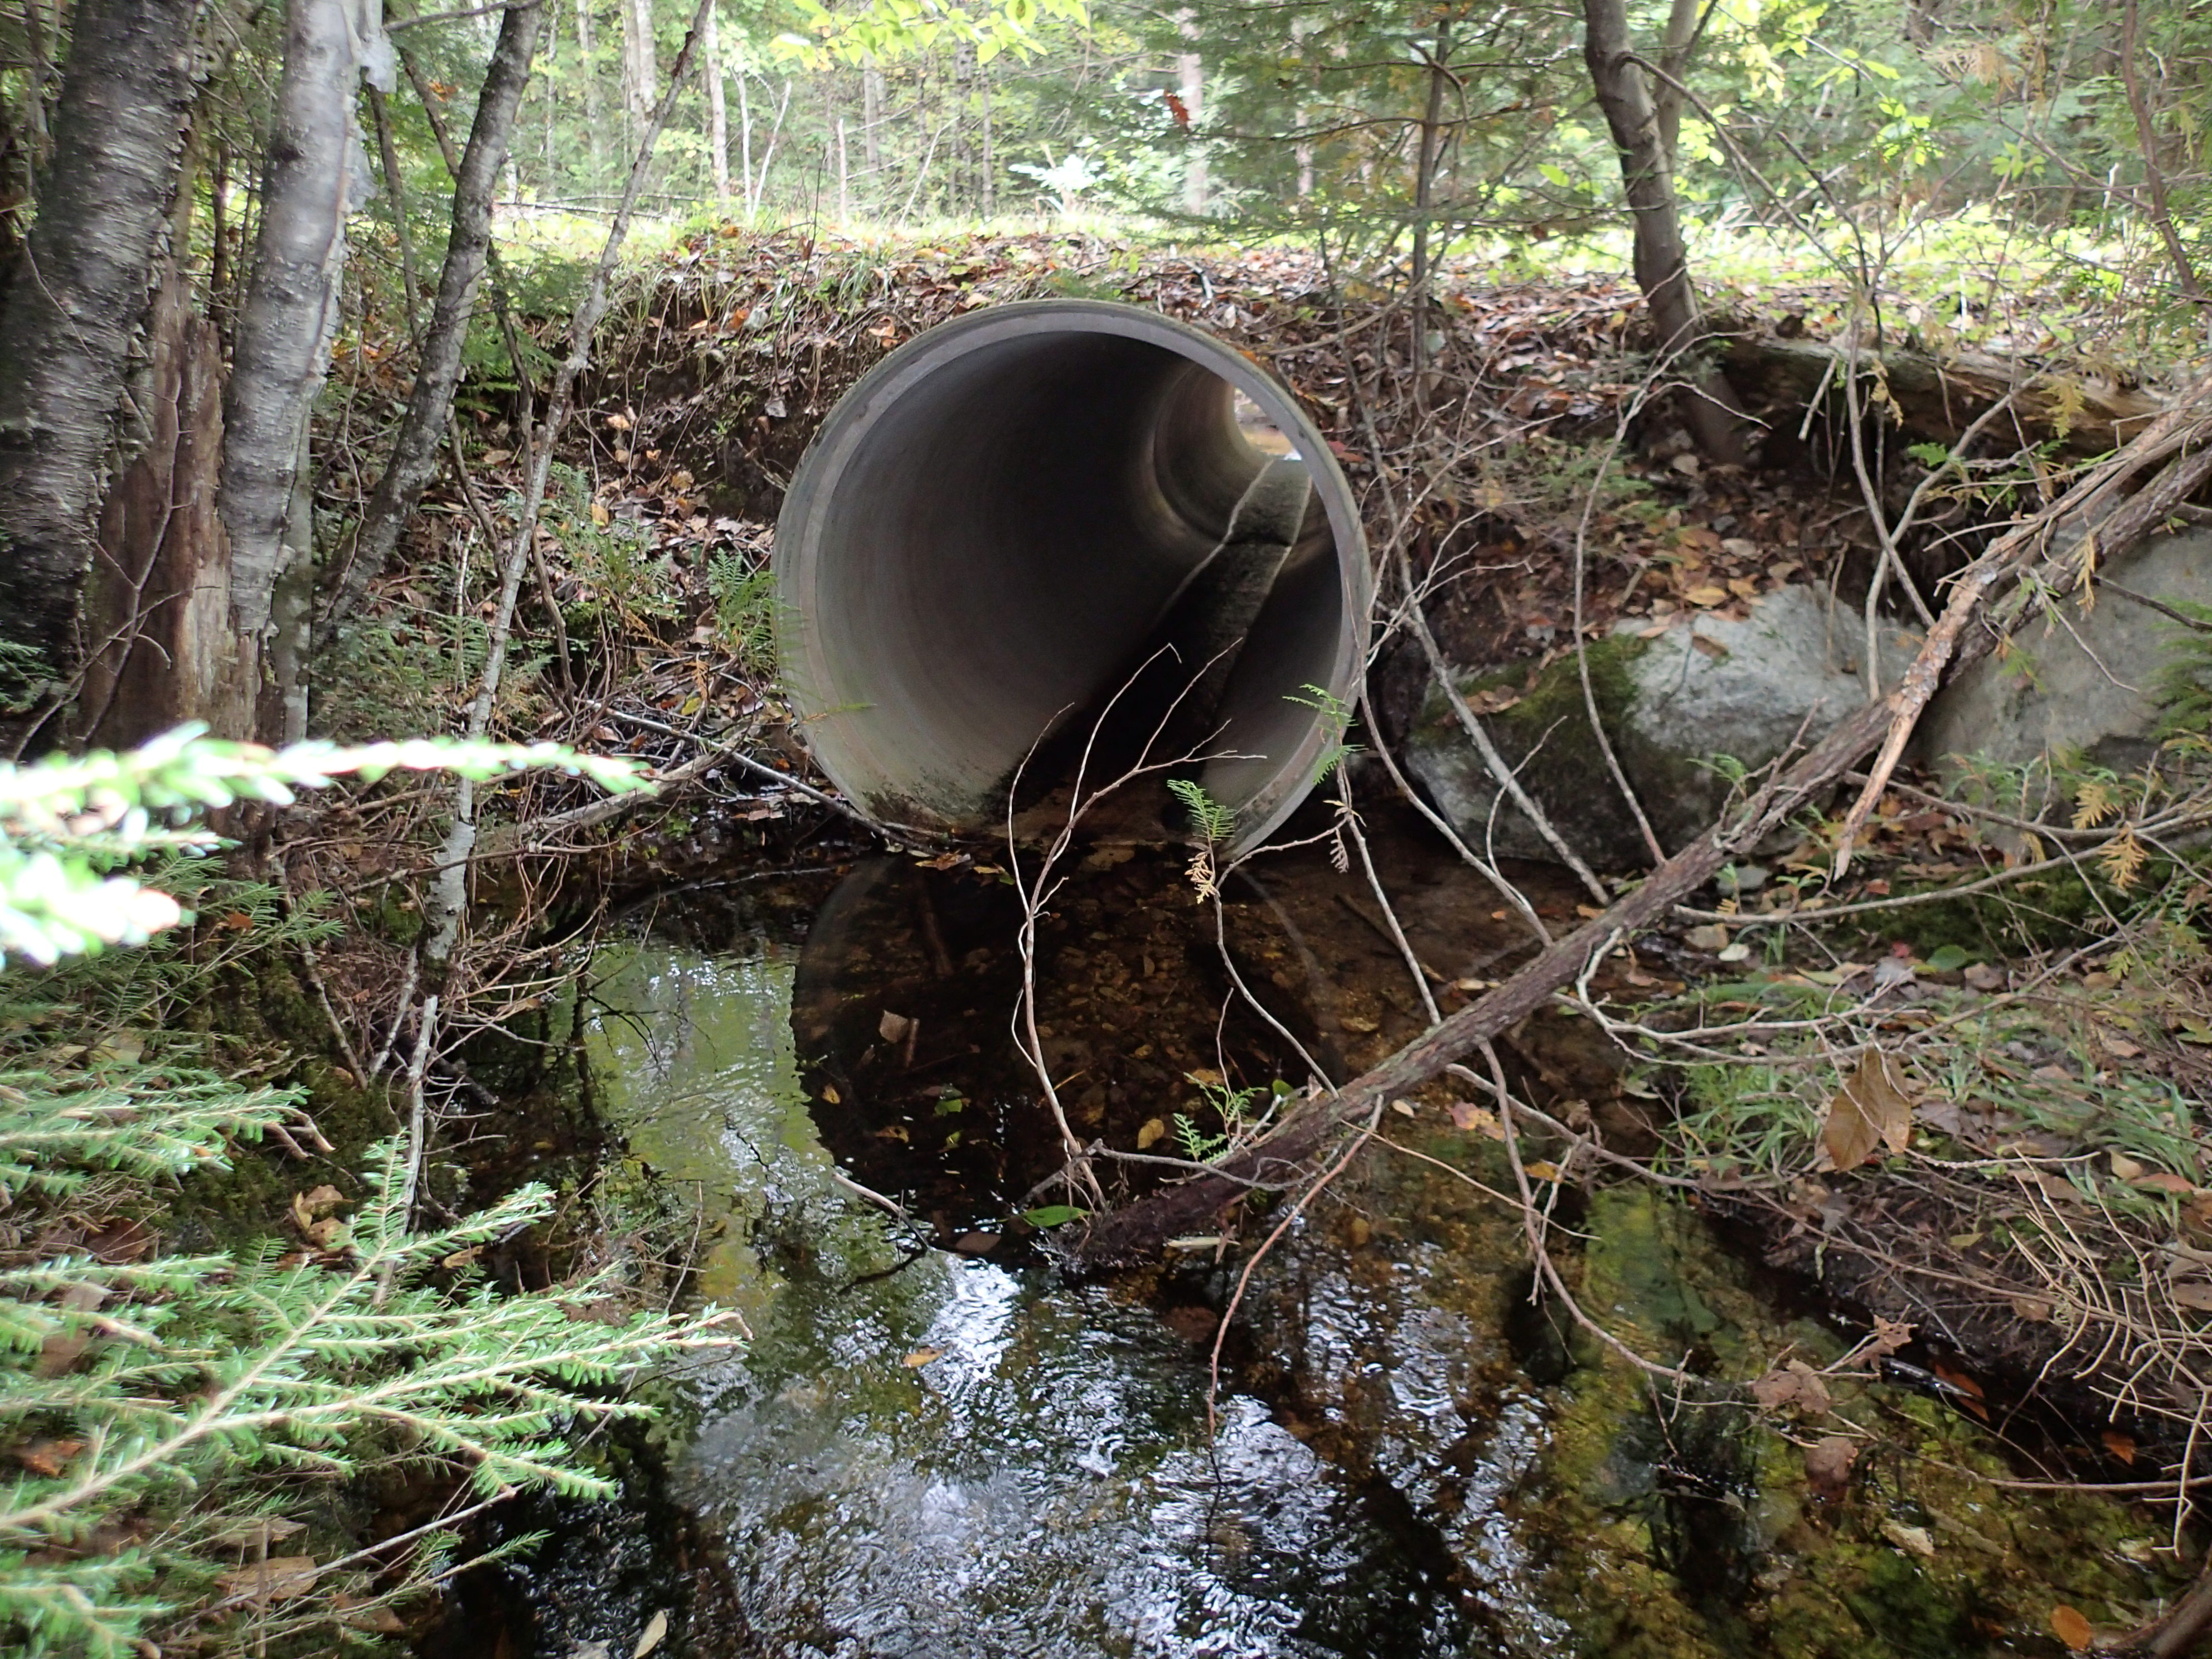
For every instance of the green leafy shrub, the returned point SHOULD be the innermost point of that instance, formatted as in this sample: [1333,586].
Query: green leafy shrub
[169,1413]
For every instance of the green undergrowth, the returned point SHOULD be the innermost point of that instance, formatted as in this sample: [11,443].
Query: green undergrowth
[1703,1529]
[235,1323]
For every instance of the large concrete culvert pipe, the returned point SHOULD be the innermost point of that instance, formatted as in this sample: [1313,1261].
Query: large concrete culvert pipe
[1010,513]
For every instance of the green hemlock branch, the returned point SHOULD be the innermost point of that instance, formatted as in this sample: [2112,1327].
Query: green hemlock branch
[163,1416]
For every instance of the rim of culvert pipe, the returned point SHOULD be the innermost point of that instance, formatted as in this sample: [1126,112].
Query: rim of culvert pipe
[798,562]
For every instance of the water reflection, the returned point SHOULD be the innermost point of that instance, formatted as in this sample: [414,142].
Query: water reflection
[952,1457]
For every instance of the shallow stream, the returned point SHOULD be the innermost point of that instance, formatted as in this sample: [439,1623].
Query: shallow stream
[937,1445]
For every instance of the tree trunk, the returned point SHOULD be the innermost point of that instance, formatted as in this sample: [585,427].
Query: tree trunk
[157,608]
[282,349]
[872,118]
[964,152]
[1190,77]
[80,293]
[415,452]
[1663,269]
[718,113]
[1424,179]
[587,75]
[1683,19]
[2185,273]
[640,69]
[990,159]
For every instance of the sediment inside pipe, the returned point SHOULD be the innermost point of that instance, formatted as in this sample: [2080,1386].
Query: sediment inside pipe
[1046,523]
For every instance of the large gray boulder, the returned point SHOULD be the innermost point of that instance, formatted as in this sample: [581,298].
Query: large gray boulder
[1673,701]
[2083,688]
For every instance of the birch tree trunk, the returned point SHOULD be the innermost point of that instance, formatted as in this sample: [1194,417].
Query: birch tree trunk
[82,286]
[640,71]
[587,73]
[315,167]
[718,113]
[415,452]
[1663,269]
[871,119]
[1190,77]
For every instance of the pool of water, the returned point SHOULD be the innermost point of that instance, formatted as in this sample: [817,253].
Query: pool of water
[935,1444]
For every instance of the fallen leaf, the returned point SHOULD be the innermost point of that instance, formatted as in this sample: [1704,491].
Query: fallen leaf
[1890,1336]
[2071,1628]
[1712,648]
[257,1532]
[2120,1445]
[920,1357]
[1982,977]
[1913,1540]
[377,1618]
[1476,1119]
[1793,1387]
[1707,597]
[1403,1108]
[2034,1309]
[1712,936]
[47,1458]
[2193,1293]
[2158,1180]
[1828,1464]
[830,1096]
[1870,1109]
[280,1578]
[893,1027]
[649,1638]
[1543,1170]
[2127,1169]
[1154,1131]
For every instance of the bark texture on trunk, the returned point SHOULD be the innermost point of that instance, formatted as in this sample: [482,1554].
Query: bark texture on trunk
[79,295]
[282,347]
[415,452]
[157,609]
[1663,269]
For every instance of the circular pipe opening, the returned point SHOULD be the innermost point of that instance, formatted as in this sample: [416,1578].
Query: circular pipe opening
[1022,517]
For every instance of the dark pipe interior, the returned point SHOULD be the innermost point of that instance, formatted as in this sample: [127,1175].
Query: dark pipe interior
[991,533]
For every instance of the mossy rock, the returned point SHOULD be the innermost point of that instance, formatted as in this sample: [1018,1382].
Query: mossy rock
[1687,711]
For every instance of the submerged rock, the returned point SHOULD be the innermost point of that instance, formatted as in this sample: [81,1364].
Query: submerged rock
[1688,709]
[2086,686]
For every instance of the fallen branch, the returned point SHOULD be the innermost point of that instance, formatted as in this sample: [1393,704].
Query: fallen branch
[1137,1228]
[2166,440]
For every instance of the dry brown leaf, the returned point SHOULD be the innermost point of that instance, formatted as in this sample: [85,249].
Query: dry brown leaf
[47,1457]
[2071,1628]
[1153,1131]
[2193,1293]
[2120,1445]
[920,1357]
[2159,1181]
[1828,1464]
[1890,1336]
[280,1578]
[1793,1387]
[1707,596]
[1871,1109]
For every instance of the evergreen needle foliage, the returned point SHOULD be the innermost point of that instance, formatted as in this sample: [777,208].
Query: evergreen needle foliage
[161,1411]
